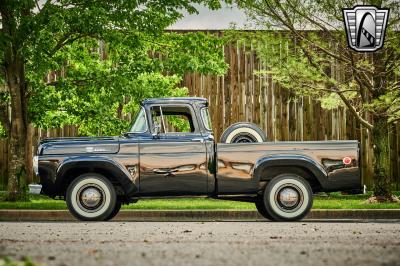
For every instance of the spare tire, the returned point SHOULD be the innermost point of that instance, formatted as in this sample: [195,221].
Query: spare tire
[243,132]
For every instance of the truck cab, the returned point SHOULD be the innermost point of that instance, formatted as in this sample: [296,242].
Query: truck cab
[176,147]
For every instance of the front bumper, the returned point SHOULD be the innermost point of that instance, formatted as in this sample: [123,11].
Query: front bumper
[35,189]
[35,164]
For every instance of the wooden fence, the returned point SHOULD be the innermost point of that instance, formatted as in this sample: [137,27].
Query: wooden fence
[241,95]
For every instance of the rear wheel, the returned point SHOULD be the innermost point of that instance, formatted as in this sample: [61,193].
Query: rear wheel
[91,197]
[288,197]
[243,133]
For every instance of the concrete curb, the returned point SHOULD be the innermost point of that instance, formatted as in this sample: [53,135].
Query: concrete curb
[195,215]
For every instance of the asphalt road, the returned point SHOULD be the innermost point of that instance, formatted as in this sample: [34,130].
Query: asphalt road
[203,243]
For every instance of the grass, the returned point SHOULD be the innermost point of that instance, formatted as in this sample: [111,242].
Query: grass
[332,201]
[5,261]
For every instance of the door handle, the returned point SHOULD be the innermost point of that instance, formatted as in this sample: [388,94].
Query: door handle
[159,171]
[168,172]
[201,140]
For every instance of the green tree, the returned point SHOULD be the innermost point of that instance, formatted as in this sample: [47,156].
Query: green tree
[39,36]
[317,40]
[93,89]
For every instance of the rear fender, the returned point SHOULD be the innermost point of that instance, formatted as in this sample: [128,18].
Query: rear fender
[293,161]
[91,163]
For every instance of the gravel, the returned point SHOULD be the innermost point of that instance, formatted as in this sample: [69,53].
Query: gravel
[203,243]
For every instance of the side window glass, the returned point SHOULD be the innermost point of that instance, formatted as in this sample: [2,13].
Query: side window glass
[173,119]
[156,117]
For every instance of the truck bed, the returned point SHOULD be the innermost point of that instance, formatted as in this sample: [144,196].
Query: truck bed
[237,163]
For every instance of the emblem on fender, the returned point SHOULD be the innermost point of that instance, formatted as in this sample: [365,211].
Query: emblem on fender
[365,27]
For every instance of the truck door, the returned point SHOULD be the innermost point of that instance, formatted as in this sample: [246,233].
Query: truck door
[174,161]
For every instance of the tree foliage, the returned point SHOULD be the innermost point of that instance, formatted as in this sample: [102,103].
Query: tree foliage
[94,88]
[90,86]
[309,55]
[93,81]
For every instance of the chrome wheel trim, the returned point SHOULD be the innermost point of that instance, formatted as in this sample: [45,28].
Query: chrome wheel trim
[302,206]
[90,197]
[289,197]
[75,198]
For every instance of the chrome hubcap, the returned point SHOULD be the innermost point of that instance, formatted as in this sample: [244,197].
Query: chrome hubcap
[90,198]
[288,197]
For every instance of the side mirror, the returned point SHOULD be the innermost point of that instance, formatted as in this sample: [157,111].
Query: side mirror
[156,129]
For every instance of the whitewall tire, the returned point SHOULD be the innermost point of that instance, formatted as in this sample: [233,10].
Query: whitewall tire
[243,133]
[91,197]
[288,197]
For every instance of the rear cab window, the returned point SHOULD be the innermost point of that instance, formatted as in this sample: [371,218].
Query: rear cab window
[205,117]
[173,119]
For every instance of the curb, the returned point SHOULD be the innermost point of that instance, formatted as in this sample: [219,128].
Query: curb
[195,215]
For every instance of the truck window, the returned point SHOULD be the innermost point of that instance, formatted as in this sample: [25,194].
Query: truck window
[173,119]
[205,116]
[140,124]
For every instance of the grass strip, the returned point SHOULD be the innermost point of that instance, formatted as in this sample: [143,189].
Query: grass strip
[331,201]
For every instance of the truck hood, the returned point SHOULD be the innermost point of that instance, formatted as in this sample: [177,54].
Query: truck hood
[89,145]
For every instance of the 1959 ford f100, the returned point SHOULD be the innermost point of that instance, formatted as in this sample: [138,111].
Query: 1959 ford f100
[170,151]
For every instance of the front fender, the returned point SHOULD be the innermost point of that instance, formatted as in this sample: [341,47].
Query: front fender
[106,164]
[292,160]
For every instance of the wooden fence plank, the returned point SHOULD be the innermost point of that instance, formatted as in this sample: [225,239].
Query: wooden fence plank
[285,118]
[270,106]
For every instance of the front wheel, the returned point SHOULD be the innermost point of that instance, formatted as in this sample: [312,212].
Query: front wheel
[91,197]
[288,197]
[116,210]
[261,208]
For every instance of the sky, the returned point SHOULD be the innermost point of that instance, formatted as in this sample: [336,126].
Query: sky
[212,19]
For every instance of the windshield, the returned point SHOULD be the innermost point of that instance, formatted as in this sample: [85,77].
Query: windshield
[205,116]
[140,124]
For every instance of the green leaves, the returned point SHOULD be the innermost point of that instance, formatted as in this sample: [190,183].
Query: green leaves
[311,56]
[191,52]
[99,84]
[91,62]
[3,133]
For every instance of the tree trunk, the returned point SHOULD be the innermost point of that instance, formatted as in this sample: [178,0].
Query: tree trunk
[15,77]
[16,164]
[380,133]
[29,153]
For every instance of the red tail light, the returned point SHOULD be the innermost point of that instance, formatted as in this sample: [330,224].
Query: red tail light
[347,160]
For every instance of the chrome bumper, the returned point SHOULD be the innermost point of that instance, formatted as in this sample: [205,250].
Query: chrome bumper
[35,164]
[35,189]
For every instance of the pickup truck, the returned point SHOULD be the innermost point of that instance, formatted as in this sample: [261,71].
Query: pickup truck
[170,151]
